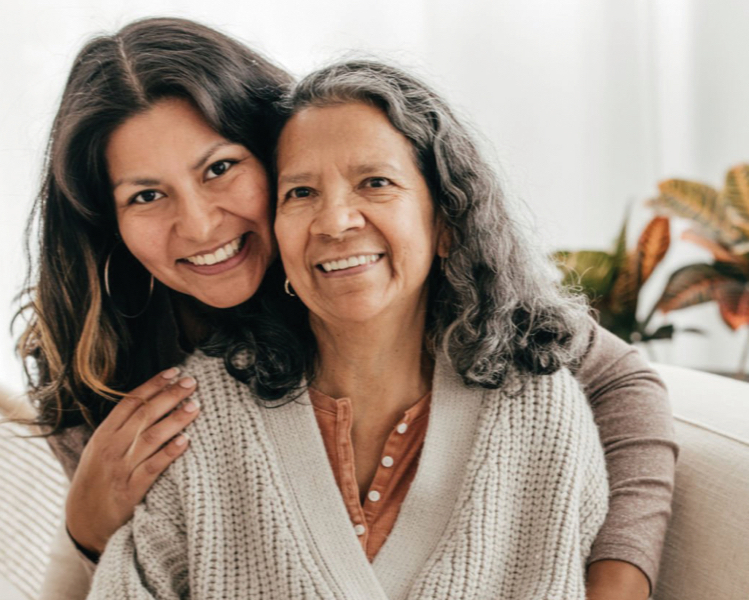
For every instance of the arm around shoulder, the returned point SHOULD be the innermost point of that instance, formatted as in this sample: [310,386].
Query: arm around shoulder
[632,411]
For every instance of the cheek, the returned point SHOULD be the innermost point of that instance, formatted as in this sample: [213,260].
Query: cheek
[290,245]
[146,242]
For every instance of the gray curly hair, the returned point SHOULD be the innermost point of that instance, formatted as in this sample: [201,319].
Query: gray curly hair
[496,307]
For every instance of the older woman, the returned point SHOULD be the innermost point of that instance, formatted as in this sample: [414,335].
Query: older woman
[431,375]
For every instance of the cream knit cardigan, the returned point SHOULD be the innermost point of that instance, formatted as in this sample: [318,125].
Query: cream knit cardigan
[509,494]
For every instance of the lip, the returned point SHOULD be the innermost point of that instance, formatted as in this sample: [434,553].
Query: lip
[222,266]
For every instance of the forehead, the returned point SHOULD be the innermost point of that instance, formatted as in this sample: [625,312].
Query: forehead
[350,132]
[169,126]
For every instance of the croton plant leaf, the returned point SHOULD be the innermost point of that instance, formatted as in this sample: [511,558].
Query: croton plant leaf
[700,203]
[650,250]
[733,300]
[719,251]
[652,247]
[737,194]
[626,289]
[695,284]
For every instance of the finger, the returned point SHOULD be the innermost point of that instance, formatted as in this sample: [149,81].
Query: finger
[149,470]
[156,407]
[151,440]
[135,399]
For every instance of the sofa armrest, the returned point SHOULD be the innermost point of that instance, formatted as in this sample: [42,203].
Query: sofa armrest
[706,552]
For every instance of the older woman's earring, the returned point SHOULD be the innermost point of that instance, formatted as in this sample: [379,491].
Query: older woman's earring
[443,261]
[288,289]
[108,289]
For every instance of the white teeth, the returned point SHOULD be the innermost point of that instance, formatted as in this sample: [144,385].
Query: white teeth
[220,255]
[348,263]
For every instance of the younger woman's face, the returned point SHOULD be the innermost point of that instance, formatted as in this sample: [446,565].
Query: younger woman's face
[191,206]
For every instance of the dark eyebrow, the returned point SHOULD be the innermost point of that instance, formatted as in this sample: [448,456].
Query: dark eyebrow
[207,154]
[201,161]
[138,182]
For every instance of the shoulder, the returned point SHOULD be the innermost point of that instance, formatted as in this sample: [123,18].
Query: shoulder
[227,407]
[549,403]
[215,386]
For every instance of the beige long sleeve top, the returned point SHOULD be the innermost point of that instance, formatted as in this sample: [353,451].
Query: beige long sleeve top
[631,409]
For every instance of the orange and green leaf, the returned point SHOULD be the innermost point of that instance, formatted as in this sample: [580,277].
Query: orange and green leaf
[719,251]
[698,202]
[737,194]
[626,286]
[651,247]
[733,301]
[692,285]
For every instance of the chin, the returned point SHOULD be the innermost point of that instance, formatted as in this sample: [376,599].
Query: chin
[225,300]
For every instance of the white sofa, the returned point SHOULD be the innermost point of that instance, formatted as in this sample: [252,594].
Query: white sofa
[706,553]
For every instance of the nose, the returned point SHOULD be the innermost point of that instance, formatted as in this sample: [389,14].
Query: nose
[337,215]
[197,216]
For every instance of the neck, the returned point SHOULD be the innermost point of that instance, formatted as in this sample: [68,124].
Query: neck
[380,365]
[193,320]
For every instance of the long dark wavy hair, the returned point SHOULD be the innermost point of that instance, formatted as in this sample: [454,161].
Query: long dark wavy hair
[78,350]
[496,308]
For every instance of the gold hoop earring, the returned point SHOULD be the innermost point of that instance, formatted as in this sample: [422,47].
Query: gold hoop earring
[108,290]
[288,289]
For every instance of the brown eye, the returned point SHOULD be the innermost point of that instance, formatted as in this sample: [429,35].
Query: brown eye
[299,192]
[219,168]
[377,182]
[146,197]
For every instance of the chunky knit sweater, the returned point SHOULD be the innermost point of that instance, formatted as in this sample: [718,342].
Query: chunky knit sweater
[508,497]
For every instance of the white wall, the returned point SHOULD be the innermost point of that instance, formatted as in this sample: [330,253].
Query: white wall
[587,104]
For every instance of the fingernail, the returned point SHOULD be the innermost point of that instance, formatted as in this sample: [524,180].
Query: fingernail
[170,373]
[182,439]
[187,382]
[191,406]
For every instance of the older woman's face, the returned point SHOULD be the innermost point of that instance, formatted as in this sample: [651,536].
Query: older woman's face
[355,222]
[191,206]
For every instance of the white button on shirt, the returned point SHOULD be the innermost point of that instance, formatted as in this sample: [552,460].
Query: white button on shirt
[360,530]
[374,495]
[402,428]
[387,461]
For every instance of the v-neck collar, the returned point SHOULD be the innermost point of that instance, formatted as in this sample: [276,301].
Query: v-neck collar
[424,514]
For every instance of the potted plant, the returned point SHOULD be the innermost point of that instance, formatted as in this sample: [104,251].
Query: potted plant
[720,224]
[613,280]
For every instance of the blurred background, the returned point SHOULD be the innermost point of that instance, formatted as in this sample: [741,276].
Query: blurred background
[584,105]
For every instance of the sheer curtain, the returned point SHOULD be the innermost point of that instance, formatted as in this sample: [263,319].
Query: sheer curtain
[585,105]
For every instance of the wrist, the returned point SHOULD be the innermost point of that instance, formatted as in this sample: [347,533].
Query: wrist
[91,553]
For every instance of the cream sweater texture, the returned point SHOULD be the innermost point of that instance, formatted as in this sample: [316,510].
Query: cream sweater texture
[509,495]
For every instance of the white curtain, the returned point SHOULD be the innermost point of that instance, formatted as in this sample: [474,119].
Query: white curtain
[584,104]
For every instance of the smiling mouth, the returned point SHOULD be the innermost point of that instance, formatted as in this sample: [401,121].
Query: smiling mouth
[349,263]
[222,254]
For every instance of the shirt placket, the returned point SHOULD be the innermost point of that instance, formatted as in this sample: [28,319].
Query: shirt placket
[376,498]
[347,470]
